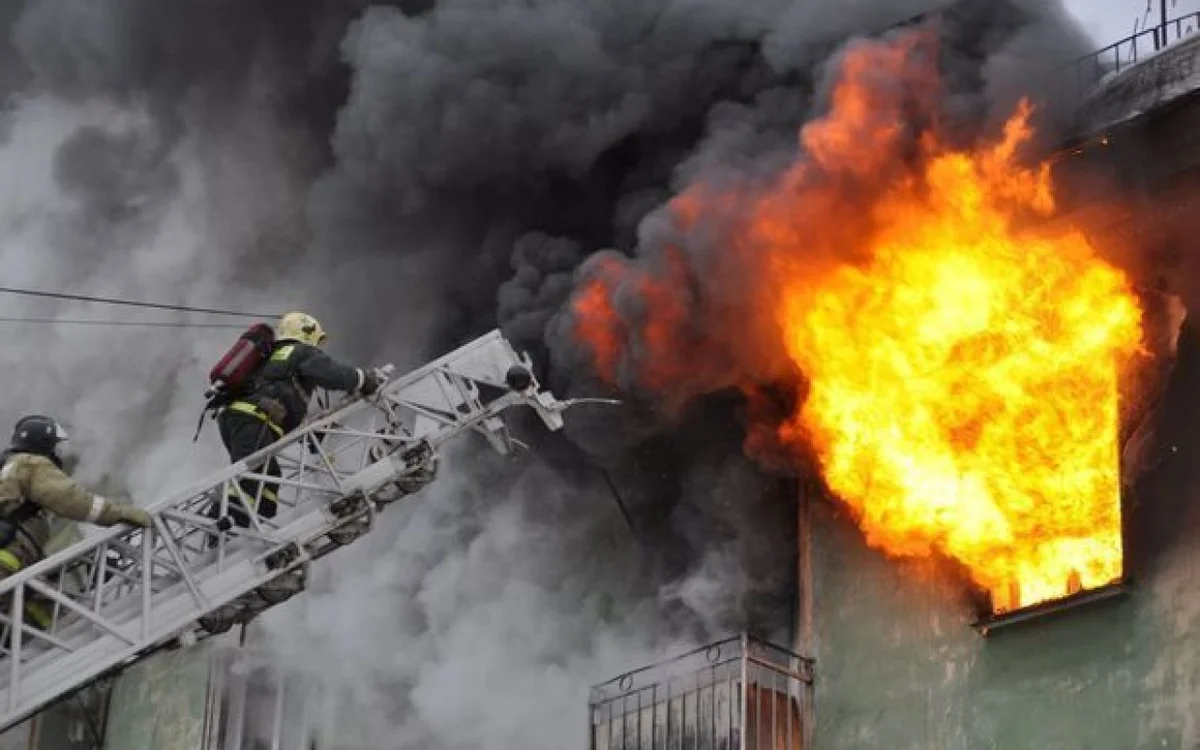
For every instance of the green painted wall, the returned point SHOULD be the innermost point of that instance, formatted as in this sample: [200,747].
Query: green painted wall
[899,668]
[160,703]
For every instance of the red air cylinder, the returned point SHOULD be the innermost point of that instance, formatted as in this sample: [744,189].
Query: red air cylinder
[244,357]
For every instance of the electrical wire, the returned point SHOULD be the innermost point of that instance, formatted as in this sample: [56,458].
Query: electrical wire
[134,323]
[128,302]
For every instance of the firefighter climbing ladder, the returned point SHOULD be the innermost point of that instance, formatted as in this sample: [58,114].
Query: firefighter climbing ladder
[124,593]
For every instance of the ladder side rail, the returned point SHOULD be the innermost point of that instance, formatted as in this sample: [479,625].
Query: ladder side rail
[123,637]
[78,664]
[166,584]
[175,559]
[237,470]
[203,490]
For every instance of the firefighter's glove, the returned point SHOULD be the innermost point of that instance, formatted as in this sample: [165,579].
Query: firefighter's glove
[134,516]
[371,382]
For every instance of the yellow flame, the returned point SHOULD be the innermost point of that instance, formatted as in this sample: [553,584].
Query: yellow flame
[964,380]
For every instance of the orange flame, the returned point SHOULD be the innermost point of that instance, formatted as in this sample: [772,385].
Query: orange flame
[962,360]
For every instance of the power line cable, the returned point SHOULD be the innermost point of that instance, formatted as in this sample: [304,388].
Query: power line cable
[144,323]
[129,302]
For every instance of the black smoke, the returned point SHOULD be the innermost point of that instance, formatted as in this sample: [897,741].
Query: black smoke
[442,168]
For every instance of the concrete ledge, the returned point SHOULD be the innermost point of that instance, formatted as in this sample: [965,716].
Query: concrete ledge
[987,625]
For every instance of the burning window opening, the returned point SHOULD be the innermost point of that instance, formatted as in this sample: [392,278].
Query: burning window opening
[1143,386]
[1079,599]
[1008,604]
[737,694]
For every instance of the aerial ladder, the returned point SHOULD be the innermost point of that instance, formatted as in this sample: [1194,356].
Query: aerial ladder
[117,597]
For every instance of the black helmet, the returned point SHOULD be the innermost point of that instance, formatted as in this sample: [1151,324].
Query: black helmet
[37,434]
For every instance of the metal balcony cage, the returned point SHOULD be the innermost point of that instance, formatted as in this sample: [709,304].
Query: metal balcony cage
[737,694]
[1082,73]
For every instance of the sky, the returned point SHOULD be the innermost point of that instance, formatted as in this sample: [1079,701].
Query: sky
[1108,21]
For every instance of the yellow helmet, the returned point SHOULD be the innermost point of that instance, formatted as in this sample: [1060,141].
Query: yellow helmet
[298,326]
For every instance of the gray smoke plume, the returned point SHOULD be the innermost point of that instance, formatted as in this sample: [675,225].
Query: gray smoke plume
[416,173]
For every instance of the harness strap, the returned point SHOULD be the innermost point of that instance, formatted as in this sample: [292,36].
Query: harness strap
[199,425]
[216,398]
[245,407]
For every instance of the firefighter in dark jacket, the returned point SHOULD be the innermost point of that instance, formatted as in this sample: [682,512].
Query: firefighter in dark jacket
[276,402]
[33,489]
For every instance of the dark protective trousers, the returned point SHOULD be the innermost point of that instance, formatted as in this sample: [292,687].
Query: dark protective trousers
[243,435]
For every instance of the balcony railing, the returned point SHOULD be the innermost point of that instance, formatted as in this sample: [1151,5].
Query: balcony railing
[737,694]
[1084,72]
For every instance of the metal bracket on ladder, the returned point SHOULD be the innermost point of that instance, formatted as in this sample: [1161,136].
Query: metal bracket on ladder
[124,593]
